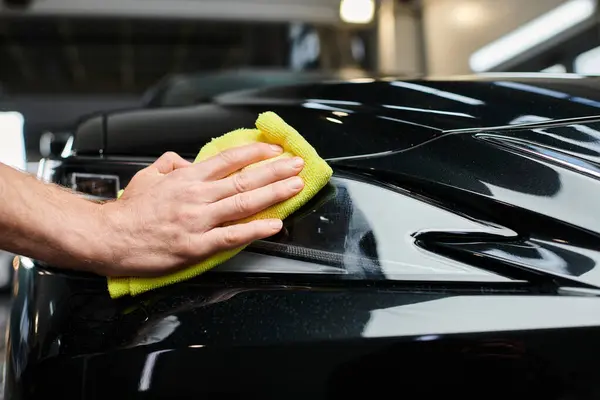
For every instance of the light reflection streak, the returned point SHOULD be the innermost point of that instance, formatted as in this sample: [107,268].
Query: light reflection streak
[439,93]
[428,111]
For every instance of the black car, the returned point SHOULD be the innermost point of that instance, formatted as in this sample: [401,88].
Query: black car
[455,252]
[186,89]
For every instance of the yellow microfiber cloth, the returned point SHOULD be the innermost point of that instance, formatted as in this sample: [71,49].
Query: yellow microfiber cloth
[270,129]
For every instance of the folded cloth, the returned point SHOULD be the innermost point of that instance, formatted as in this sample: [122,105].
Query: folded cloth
[270,129]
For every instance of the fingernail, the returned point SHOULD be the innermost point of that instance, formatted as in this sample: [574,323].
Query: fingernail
[297,162]
[276,224]
[276,148]
[296,183]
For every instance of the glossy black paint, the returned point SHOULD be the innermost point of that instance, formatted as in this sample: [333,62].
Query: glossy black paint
[269,338]
[494,174]
[393,114]
[519,152]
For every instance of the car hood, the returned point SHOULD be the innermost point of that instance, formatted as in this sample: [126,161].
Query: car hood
[349,118]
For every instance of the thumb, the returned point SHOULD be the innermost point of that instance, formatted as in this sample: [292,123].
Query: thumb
[169,162]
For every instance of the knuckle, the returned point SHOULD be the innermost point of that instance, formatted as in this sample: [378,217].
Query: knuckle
[180,174]
[241,182]
[167,157]
[174,239]
[175,216]
[276,168]
[192,192]
[231,237]
[183,246]
[186,193]
[263,148]
[242,203]
[170,213]
[281,191]
[229,156]
[181,216]
[185,216]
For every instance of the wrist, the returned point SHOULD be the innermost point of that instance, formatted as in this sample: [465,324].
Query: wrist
[88,242]
[110,239]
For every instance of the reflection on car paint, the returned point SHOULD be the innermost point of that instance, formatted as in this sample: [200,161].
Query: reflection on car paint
[453,202]
[368,231]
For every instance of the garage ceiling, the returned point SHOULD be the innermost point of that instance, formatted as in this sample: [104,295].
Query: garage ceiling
[321,11]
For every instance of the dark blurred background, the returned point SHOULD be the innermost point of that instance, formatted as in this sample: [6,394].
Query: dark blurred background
[62,59]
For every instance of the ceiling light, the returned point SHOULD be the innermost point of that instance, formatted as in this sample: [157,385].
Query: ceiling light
[469,14]
[532,34]
[357,11]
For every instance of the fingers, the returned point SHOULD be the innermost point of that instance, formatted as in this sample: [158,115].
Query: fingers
[249,203]
[233,236]
[231,160]
[169,162]
[255,178]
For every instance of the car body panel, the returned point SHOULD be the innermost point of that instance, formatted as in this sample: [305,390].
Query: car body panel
[492,177]
[507,158]
[269,339]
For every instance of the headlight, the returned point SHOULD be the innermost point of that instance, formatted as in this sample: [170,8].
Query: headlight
[94,180]
[101,187]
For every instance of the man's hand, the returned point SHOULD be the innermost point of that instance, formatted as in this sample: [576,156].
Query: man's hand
[171,215]
[175,213]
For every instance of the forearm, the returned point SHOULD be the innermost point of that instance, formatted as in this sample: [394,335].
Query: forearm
[46,222]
